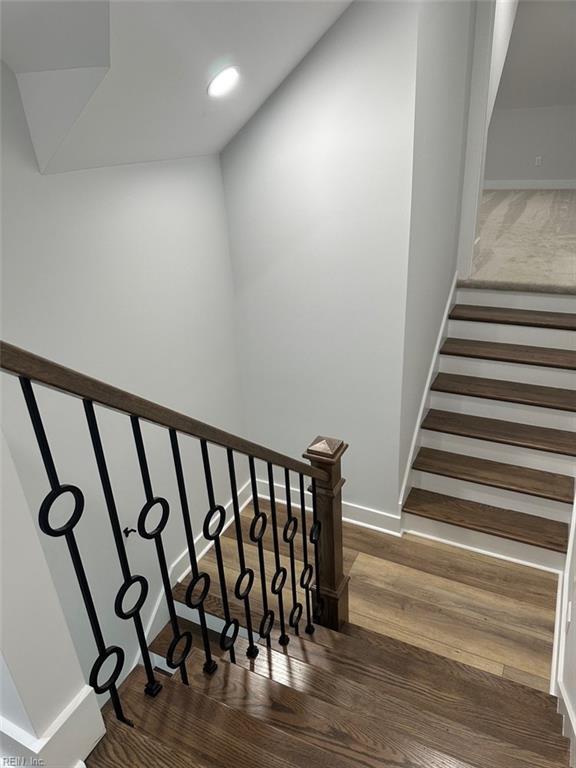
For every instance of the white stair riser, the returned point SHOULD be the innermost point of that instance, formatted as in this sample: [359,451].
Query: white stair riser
[482,542]
[531,505]
[495,409]
[524,374]
[541,302]
[507,454]
[214,623]
[512,334]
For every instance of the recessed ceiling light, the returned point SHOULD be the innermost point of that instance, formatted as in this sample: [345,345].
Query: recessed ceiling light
[224,82]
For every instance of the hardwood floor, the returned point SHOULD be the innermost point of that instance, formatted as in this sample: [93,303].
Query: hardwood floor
[506,391]
[424,675]
[506,523]
[510,477]
[488,613]
[498,431]
[510,353]
[564,321]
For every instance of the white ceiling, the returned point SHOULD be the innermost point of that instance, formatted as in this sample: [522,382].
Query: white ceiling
[540,68]
[40,35]
[152,104]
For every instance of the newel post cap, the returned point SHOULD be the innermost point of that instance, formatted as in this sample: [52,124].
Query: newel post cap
[325,450]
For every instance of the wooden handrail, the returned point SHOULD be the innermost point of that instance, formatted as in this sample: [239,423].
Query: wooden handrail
[22,363]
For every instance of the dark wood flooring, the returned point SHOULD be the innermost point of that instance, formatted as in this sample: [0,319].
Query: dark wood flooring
[510,353]
[565,321]
[444,664]
[507,391]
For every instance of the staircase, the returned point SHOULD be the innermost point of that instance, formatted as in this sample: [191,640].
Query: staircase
[498,440]
[339,699]
[258,664]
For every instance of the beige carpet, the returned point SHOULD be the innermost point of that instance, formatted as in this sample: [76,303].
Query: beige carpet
[527,237]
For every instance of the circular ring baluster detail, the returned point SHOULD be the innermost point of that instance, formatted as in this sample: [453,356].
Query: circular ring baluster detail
[122,592]
[145,512]
[172,662]
[295,615]
[112,650]
[258,527]
[244,584]
[278,581]
[48,503]
[306,577]
[266,624]
[195,602]
[315,532]
[217,514]
[290,530]
[226,640]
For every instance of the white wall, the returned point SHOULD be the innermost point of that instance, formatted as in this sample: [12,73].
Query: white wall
[567,656]
[122,273]
[477,131]
[47,711]
[504,17]
[517,136]
[318,191]
[443,76]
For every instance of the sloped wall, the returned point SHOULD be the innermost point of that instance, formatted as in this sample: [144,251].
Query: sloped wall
[318,189]
[445,35]
[122,273]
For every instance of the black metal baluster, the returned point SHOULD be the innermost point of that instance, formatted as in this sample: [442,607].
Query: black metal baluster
[201,580]
[288,535]
[315,532]
[153,687]
[218,512]
[67,530]
[156,535]
[279,578]
[257,531]
[307,570]
[245,580]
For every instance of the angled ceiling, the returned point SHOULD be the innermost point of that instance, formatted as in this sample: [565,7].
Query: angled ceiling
[540,68]
[152,102]
[59,52]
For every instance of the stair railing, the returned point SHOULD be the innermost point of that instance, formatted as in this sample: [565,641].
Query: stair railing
[321,579]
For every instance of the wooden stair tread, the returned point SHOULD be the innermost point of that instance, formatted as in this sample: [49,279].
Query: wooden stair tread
[508,391]
[510,353]
[403,667]
[535,705]
[421,738]
[505,523]
[305,701]
[534,482]
[532,587]
[215,735]
[565,321]
[134,748]
[426,687]
[432,672]
[499,431]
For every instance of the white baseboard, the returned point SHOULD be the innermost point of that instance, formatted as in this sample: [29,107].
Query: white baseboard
[357,514]
[484,544]
[568,712]
[76,731]
[424,403]
[492,184]
[566,697]
[557,645]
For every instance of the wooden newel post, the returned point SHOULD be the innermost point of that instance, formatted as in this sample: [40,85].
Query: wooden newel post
[326,453]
